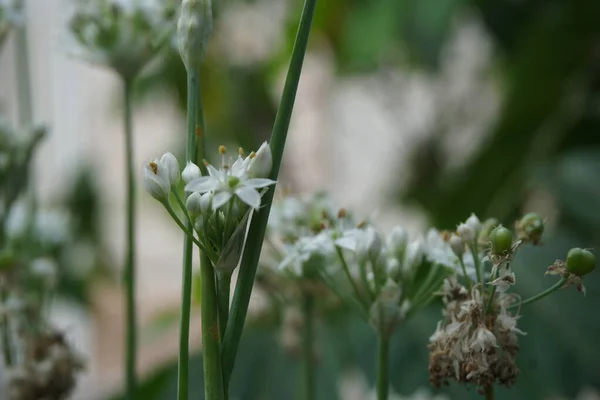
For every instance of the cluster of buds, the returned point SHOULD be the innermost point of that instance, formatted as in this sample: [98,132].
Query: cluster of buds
[10,16]
[193,31]
[218,204]
[124,35]
[476,342]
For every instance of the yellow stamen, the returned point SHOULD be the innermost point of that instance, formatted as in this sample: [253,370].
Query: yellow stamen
[222,149]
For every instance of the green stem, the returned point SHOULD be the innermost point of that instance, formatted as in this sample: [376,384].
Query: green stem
[186,229]
[223,291]
[23,78]
[258,225]
[307,345]
[349,277]
[540,295]
[130,313]
[211,351]
[464,270]
[383,353]
[477,262]
[6,342]
[188,250]
[488,392]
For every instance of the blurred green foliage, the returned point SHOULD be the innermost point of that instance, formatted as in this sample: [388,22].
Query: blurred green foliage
[545,139]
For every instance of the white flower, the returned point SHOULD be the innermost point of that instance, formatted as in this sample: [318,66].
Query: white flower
[414,255]
[193,30]
[473,223]
[483,339]
[155,179]
[365,243]
[261,163]
[397,240]
[440,252]
[508,323]
[190,172]
[504,280]
[228,182]
[171,165]
[457,245]
[307,252]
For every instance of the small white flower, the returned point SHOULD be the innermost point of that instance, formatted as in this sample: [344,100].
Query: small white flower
[261,163]
[483,339]
[508,323]
[504,280]
[473,223]
[466,233]
[457,245]
[190,172]
[228,182]
[171,165]
[365,243]
[397,241]
[415,252]
[155,179]
[308,251]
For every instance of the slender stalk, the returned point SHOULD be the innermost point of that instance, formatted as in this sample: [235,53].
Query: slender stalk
[488,392]
[307,345]
[540,295]
[477,262]
[464,270]
[23,78]
[186,229]
[383,354]
[211,351]
[258,224]
[130,313]
[186,278]
[349,276]
[6,340]
[223,292]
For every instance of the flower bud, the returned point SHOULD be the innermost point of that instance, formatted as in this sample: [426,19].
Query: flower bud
[190,172]
[194,204]
[501,240]
[262,163]
[530,228]
[385,312]
[580,262]
[397,240]
[473,223]
[156,181]
[414,256]
[466,233]
[394,270]
[206,203]
[193,30]
[372,245]
[457,245]
[171,165]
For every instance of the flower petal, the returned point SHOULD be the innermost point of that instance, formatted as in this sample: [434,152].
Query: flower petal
[220,198]
[258,183]
[249,196]
[202,184]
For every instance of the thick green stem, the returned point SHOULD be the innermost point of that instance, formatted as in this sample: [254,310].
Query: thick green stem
[307,345]
[211,351]
[488,392]
[223,291]
[188,251]
[543,294]
[129,272]
[383,354]
[258,225]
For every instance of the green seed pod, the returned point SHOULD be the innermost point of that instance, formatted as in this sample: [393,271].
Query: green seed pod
[580,262]
[501,239]
[193,30]
[531,228]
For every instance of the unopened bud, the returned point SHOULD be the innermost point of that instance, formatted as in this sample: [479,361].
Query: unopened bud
[171,165]
[193,30]
[580,262]
[457,245]
[190,172]
[396,241]
[262,163]
[194,204]
[156,180]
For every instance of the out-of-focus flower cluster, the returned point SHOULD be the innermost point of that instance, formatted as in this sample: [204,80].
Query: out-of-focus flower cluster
[218,204]
[122,34]
[10,16]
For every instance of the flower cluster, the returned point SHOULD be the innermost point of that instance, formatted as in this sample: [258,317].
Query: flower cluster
[477,340]
[122,34]
[218,204]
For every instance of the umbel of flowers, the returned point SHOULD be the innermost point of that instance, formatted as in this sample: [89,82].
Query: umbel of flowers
[477,340]
[217,205]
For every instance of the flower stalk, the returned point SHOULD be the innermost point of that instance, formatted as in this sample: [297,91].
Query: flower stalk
[129,271]
[258,224]
[383,354]
[308,302]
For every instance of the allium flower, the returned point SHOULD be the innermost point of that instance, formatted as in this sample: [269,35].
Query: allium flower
[308,254]
[193,30]
[122,34]
[261,163]
[365,243]
[190,172]
[157,176]
[228,182]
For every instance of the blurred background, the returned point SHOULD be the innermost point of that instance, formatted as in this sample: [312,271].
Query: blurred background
[412,112]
